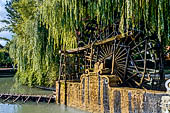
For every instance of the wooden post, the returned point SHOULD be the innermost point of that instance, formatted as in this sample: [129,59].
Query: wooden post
[65,76]
[144,66]
[85,60]
[162,75]
[97,55]
[144,71]
[113,59]
[91,55]
[49,99]
[76,66]
[65,92]
[59,84]
[126,64]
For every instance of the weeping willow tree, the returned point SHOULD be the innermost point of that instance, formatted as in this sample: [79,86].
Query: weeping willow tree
[42,27]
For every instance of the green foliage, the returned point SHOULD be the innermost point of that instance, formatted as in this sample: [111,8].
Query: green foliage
[42,27]
[4,56]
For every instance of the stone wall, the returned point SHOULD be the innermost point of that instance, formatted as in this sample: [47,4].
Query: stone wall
[96,94]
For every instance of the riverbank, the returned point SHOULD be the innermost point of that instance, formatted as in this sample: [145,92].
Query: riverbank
[7,72]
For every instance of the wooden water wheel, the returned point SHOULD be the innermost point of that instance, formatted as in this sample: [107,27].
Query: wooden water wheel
[135,59]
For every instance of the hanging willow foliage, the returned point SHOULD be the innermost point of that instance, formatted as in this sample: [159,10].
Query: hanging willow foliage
[45,26]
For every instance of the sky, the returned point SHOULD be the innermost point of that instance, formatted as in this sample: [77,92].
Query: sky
[3,14]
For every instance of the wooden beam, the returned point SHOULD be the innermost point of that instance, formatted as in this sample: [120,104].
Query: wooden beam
[65,77]
[126,64]
[120,36]
[73,51]
[127,34]
[26,99]
[59,84]
[16,98]
[38,99]
[144,70]
[65,87]
[113,59]
[91,55]
[49,99]
[7,98]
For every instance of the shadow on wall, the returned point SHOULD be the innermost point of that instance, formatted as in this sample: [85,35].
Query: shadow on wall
[95,94]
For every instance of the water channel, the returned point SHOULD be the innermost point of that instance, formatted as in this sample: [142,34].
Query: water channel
[8,85]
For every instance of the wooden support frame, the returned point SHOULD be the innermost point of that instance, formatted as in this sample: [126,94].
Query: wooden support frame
[26,99]
[16,99]
[22,97]
[145,60]
[113,59]
[7,98]
[126,64]
[49,99]
[128,58]
[38,99]
[59,84]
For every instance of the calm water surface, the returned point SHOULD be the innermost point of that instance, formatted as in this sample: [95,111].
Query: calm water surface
[37,108]
[8,85]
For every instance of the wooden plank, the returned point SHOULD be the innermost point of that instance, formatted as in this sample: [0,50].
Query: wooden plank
[72,51]
[49,99]
[113,38]
[136,53]
[113,59]
[126,64]
[16,98]
[134,64]
[120,54]
[65,87]
[136,45]
[59,84]
[91,55]
[132,76]
[144,70]
[138,49]
[26,96]
[7,98]
[65,79]
[38,99]
[26,99]
[77,49]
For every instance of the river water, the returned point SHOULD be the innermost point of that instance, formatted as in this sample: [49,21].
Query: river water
[8,85]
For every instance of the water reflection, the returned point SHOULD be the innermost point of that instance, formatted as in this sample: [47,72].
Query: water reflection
[7,108]
[8,85]
[37,108]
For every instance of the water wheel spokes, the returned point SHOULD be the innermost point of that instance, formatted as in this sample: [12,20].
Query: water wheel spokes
[134,59]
